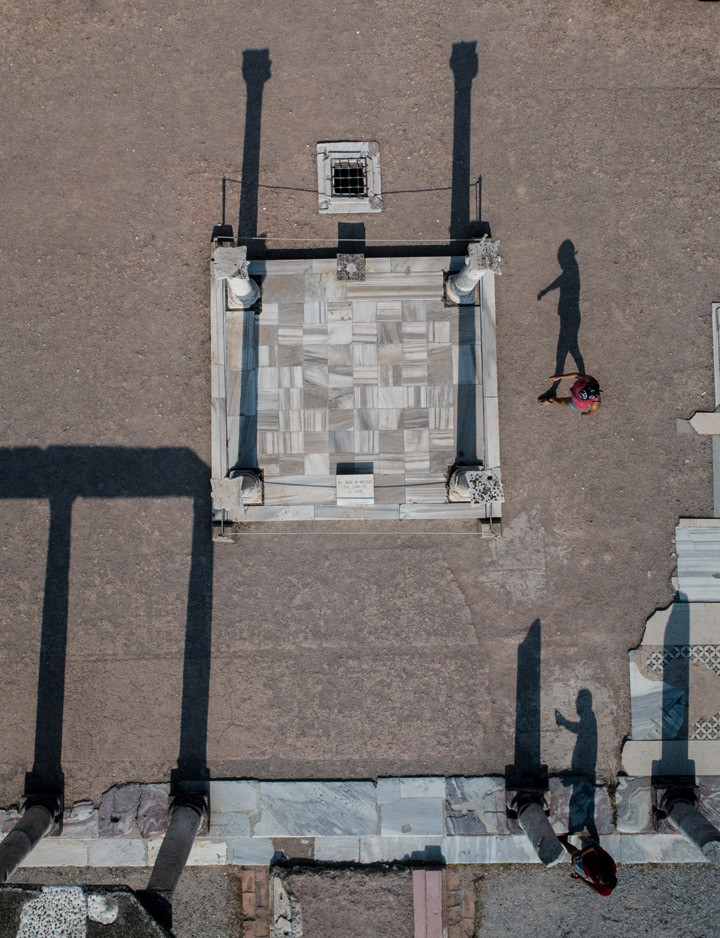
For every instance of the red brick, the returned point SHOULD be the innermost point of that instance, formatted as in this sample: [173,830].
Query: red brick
[262,889]
[468,902]
[249,930]
[248,900]
[453,915]
[248,880]
[468,928]
[452,878]
[454,931]
[262,929]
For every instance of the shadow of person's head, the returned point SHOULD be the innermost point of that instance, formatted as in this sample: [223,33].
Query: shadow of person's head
[583,702]
[566,254]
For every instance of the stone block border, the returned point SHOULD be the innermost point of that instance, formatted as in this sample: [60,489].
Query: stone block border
[456,820]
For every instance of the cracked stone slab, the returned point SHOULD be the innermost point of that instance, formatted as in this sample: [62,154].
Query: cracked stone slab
[476,805]
[633,805]
[412,816]
[81,820]
[576,803]
[118,810]
[306,809]
[153,815]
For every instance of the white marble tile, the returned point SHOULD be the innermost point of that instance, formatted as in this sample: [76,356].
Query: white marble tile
[340,354]
[412,816]
[387,849]
[415,373]
[390,332]
[267,356]
[365,332]
[342,398]
[390,418]
[300,490]
[337,849]
[365,397]
[306,809]
[286,420]
[267,378]
[314,375]
[340,332]
[390,354]
[278,443]
[271,420]
[364,312]
[441,418]
[390,463]
[420,491]
[415,396]
[291,377]
[313,420]
[340,376]
[415,418]
[366,441]
[389,310]
[414,311]
[290,399]
[341,441]
[344,420]
[365,419]
[390,375]
[317,464]
[365,375]
[315,312]
[255,851]
[364,354]
[268,314]
[316,441]
[267,399]
[439,332]
[440,396]
[314,336]
[290,335]
[392,398]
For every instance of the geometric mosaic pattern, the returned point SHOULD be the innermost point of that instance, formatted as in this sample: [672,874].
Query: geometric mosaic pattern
[708,655]
[707,729]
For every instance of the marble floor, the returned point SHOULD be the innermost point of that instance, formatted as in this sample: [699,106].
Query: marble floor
[376,376]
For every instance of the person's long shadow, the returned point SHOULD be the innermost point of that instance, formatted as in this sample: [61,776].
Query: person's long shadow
[583,765]
[568,285]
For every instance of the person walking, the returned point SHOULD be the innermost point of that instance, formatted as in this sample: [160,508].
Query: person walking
[592,865]
[584,394]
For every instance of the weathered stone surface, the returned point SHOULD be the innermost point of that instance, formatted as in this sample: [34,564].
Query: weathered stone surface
[9,818]
[305,809]
[153,815]
[380,849]
[250,851]
[230,825]
[708,794]
[81,820]
[205,851]
[230,797]
[337,849]
[118,810]
[412,816]
[578,804]
[633,805]
[513,849]
[57,851]
[476,805]
[117,851]
[351,267]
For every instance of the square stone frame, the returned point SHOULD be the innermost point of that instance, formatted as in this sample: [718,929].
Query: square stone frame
[330,204]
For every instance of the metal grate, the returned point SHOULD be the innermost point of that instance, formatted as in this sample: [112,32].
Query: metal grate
[349,178]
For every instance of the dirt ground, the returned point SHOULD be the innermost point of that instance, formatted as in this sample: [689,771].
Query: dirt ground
[350,654]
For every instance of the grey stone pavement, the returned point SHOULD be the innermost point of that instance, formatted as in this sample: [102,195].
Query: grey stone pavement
[352,652]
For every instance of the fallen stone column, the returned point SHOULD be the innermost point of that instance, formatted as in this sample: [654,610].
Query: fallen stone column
[535,823]
[20,841]
[482,258]
[185,819]
[696,827]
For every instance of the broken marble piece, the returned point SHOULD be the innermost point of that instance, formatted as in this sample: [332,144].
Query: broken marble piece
[118,810]
[476,805]
[633,805]
[81,820]
[153,815]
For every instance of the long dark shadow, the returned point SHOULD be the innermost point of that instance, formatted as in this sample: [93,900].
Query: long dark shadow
[61,475]
[464,66]
[583,766]
[466,432]
[247,432]
[528,769]
[568,286]
[255,71]
[675,758]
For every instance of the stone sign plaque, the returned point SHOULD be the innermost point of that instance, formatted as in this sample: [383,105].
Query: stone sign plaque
[355,489]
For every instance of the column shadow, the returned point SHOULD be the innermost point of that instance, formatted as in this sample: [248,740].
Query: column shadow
[527,770]
[464,66]
[61,475]
[675,762]
[255,72]
[351,237]
[247,457]
[583,765]
[568,286]
[466,415]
